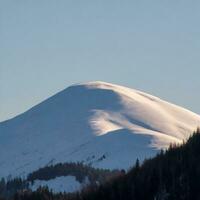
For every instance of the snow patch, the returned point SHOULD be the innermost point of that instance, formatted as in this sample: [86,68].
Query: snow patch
[59,184]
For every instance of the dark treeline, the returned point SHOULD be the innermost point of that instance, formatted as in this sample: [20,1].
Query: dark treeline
[9,187]
[171,175]
[79,170]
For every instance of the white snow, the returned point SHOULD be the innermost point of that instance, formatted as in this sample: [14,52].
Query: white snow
[89,120]
[59,184]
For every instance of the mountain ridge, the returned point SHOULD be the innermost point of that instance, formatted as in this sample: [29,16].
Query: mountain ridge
[90,121]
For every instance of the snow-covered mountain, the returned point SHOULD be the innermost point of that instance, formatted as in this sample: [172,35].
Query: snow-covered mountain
[99,123]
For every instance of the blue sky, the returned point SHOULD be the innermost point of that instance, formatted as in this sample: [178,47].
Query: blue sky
[47,45]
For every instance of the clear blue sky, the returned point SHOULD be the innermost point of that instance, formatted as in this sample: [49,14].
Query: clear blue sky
[46,45]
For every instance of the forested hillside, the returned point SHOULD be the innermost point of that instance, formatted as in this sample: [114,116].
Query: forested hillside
[10,186]
[171,175]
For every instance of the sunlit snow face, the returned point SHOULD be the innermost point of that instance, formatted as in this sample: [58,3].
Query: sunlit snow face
[106,122]
[102,122]
[141,113]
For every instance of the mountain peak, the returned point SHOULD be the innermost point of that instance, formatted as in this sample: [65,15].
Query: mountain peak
[90,121]
[95,84]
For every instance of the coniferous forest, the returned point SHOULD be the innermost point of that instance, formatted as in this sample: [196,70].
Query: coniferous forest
[81,172]
[172,174]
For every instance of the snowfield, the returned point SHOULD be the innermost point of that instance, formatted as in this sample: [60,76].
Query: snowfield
[59,184]
[101,124]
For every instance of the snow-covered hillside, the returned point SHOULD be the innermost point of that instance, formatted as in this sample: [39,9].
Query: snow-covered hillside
[60,184]
[102,124]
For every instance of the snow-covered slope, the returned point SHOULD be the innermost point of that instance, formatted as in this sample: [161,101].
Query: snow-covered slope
[60,184]
[102,124]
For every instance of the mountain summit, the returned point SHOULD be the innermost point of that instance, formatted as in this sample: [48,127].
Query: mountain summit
[96,123]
